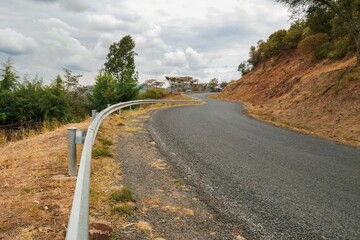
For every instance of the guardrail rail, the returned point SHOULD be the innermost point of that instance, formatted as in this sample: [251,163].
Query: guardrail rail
[78,226]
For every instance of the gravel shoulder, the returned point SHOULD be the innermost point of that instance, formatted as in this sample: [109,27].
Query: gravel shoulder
[166,205]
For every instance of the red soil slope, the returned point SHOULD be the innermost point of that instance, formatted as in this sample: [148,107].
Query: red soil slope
[319,98]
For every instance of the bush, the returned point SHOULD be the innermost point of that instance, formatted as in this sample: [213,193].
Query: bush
[324,51]
[312,44]
[341,48]
[153,93]
[294,34]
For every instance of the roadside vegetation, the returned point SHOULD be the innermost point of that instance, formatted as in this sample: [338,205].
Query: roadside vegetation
[323,30]
[29,106]
[307,77]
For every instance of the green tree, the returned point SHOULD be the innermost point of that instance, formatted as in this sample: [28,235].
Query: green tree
[9,79]
[274,44]
[244,68]
[28,97]
[76,93]
[213,84]
[223,85]
[104,91]
[8,84]
[120,63]
[347,10]
[71,81]
[55,102]
[294,34]
[319,19]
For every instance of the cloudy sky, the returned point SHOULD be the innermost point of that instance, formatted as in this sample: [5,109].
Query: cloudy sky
[199,38]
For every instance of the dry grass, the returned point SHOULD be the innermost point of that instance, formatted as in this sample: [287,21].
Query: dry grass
[36,194]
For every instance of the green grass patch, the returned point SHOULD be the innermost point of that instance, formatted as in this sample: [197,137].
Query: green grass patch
[28,190]
[102,152]
[178,182]
[123,209]
[123,195]
[106,141]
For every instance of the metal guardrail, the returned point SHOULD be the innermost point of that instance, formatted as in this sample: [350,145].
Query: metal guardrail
[78,226]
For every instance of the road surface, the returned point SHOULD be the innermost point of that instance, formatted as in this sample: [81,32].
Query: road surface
[275,183]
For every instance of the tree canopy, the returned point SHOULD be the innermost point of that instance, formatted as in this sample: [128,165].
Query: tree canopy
[120,63]
[346,10]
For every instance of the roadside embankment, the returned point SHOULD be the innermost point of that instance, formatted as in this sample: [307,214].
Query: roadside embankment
[317,98]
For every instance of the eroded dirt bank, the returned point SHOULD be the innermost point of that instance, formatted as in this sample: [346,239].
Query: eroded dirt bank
[318,98]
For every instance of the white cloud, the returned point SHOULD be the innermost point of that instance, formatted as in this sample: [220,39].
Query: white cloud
[203,39]
[75,5]
[12,42]
[65,50]
[176,58]
[71,5]
[104,22]
[56,23]
[195,59]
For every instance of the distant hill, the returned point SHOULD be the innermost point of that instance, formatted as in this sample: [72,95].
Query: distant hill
[297,92]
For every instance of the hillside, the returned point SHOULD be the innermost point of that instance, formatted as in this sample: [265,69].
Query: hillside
[319,98]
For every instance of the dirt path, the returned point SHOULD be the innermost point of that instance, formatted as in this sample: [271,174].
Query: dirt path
[166,207]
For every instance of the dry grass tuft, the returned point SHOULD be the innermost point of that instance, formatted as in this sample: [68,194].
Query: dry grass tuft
[35,194]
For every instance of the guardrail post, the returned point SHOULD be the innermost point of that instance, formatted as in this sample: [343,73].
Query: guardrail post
[130,108]
[108,105]
[120,110]
[93,114]
[71,151]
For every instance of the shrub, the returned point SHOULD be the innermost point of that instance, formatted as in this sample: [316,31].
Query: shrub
[153,93]
[324,51]
[341,48]
[312,44]
[294,34]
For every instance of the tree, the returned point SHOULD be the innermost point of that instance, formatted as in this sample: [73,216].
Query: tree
[244,68]
[223,85]
[347,10]
[181,83]
[120,63]
[28,97]
[104,91]
[55,102]
[76,93]
[8,75]
[213,84]
[71,81]
[8,83]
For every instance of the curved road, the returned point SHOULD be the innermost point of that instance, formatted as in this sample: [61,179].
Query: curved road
[275,183]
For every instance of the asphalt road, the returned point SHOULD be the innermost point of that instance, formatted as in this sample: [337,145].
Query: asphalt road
[275,183]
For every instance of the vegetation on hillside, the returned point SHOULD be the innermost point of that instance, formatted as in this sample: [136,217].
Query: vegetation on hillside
[328,29]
